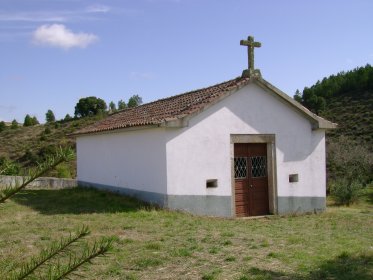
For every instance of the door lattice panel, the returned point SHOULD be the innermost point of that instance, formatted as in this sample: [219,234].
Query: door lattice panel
[240,167]
[258,166]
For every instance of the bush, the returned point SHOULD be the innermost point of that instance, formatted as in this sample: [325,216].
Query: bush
[8,167]
[14,124]
[349,160]
[30,156]
[46,151]
[345,192]
[63,171]
[2,126]
[47,130]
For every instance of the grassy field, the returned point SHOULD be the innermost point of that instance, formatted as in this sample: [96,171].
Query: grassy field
[159,244]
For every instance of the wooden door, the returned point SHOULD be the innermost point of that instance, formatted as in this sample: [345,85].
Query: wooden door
[251,179]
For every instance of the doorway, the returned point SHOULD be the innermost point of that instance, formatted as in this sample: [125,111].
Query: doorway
[251,179]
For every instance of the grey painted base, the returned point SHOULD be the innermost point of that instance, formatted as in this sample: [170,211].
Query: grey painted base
[296,204]
[209,205]
[212,205]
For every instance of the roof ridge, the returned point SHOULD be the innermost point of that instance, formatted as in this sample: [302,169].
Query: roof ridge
[187,92]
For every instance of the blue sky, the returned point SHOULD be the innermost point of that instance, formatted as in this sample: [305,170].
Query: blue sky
[54,52]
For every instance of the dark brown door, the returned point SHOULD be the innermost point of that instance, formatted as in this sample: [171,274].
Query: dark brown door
[251,179]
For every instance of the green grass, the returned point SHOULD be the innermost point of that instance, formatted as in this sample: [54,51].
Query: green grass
[158,244]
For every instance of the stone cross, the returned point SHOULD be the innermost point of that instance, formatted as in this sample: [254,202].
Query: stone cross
[250,51]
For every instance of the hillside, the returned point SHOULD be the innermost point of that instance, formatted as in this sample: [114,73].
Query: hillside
[347,99]
[353,111]
[26,146]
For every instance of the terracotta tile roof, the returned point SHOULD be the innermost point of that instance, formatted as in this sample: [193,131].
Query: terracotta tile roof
[174,108]
[171,108]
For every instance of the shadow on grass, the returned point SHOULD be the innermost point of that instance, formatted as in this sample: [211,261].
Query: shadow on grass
[343,267]
[77,201]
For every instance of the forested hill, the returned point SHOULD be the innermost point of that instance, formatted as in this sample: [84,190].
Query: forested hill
[347,99]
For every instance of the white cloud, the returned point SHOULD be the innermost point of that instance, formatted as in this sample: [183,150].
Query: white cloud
[33,17]
[57,35]
[98,9]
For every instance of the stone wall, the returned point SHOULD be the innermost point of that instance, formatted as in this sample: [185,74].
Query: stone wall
[42,182]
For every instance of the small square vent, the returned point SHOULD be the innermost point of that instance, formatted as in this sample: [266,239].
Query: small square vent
[211,183]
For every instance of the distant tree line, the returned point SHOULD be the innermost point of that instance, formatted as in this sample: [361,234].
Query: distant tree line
[92,105]
[317,96]
[87,106]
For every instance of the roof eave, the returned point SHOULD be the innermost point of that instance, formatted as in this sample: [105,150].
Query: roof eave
[115,130]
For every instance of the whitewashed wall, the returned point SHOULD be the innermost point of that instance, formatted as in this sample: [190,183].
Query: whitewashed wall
[202,150]
[179,161]
[131,159]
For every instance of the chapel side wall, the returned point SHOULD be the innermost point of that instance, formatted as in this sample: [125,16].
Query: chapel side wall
[131,162]
[202,151]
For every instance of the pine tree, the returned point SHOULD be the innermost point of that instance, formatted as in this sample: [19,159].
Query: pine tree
[49,116]
[34,120]
[112,107]
[121,105]
[134,101]
[67,118]
[27,121]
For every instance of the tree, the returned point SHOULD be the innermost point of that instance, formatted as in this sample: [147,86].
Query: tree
[67,118]
[112,107]
[34,120]
[14,124]
[30,121]
[298,96]
[134,101]
[121,105]
[27,121]
[2,126]
[89,106]
[49,116]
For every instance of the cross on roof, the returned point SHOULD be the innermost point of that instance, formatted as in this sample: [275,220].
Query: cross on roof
[251,44]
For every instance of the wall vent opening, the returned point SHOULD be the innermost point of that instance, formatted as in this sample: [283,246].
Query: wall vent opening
[293,178]
[211,183]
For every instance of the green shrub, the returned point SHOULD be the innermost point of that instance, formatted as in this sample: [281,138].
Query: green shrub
[350,160]
[14,124]
[63,171]
[31,157]
[46,151]
[9,167]
[345,192]
[2,126]
[47,130]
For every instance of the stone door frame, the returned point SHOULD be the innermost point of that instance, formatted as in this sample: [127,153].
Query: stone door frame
[270,140]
